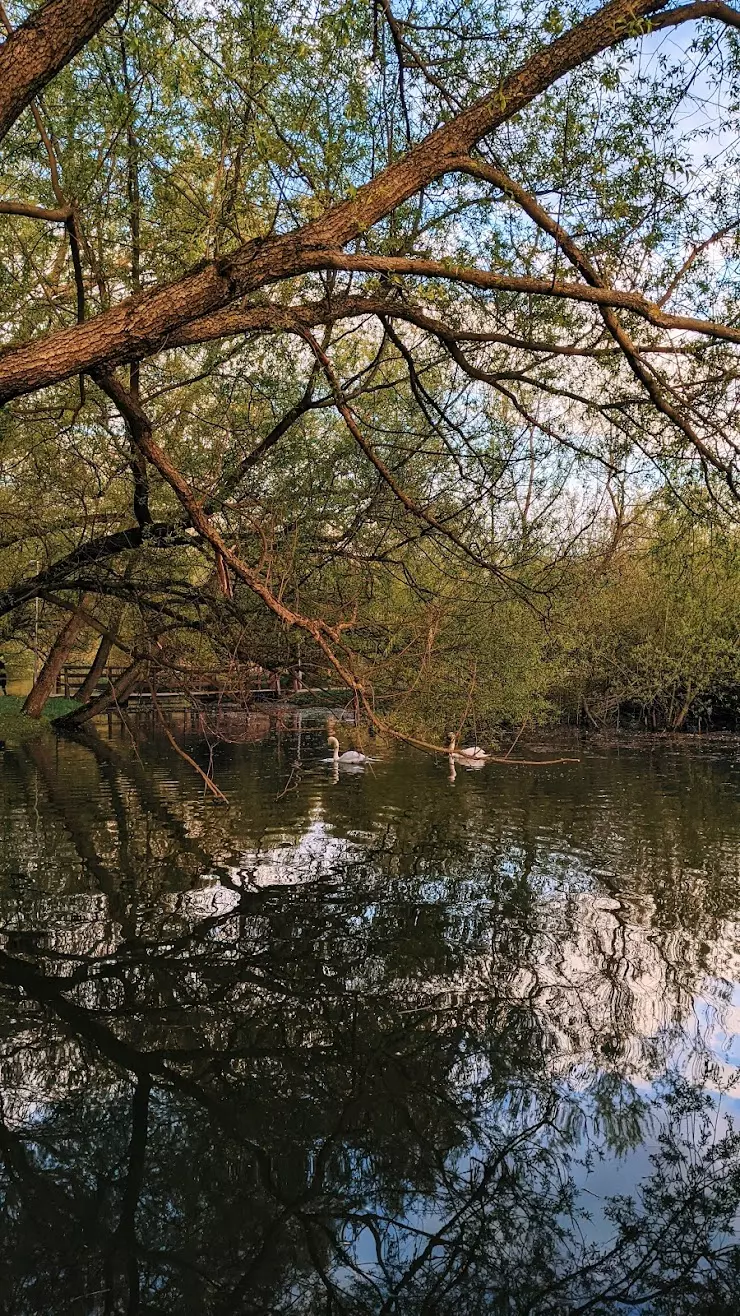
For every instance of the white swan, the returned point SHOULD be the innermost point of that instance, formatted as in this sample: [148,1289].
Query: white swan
[349,755]
[470,752]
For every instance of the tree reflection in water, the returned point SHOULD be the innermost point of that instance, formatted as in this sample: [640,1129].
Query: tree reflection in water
[474,1056]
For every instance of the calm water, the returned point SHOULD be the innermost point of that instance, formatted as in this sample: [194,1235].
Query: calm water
[381,1044]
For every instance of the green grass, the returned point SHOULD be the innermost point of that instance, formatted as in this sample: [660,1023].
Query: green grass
[15,727]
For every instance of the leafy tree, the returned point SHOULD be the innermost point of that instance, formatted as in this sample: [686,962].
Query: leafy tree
[308,308]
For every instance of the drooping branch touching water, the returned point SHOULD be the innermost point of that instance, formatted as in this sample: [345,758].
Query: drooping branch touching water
[390,413]
[328,638]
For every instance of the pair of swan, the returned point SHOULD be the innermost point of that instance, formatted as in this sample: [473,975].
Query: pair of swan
[473,755]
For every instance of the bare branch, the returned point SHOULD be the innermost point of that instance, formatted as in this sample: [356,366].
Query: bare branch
[585,266]
[422,513]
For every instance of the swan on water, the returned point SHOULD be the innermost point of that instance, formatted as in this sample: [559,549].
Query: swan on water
[349,755]
[470,752]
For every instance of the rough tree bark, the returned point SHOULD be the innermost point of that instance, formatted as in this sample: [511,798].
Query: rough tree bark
[60,650]
[37,50]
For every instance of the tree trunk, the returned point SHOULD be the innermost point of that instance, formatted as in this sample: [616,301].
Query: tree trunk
[135,328]
[90,683]
[115,694]
[680,718]
[60,651]
[596,725]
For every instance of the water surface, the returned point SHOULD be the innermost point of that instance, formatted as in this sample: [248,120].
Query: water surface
[379,1043]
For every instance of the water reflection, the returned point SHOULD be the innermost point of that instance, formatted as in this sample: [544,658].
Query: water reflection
[373,1046]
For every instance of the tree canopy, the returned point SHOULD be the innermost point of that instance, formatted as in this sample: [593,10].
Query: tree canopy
[368,333]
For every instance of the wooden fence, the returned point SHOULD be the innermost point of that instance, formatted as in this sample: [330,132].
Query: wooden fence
[206,687]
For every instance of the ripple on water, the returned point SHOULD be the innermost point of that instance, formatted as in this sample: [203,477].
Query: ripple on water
[378,1040]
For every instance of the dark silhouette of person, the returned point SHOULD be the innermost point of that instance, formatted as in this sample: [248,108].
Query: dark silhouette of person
[3,675]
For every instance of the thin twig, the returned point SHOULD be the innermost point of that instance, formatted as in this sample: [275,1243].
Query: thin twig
[208,781]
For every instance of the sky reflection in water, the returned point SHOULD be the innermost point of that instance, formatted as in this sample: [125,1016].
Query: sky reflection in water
[382,1044]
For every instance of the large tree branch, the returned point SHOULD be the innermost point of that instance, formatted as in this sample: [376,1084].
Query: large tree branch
[159,535]
[488,281]
[145,324]
[692,13]
[27,368]
[36,51]
[271,318]
[25,208]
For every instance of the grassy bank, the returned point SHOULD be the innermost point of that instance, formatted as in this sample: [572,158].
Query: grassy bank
[15,727]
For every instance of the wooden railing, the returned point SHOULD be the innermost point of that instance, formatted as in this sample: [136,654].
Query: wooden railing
[168,685]
[71,678]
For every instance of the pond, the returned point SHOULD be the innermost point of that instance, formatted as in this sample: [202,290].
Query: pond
[367,1042]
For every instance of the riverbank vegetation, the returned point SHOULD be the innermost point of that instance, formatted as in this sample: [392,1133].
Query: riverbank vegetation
[395,347]
[15,727]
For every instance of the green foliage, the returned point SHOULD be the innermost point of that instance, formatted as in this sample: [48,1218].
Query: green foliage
[493,590]
[656,633]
